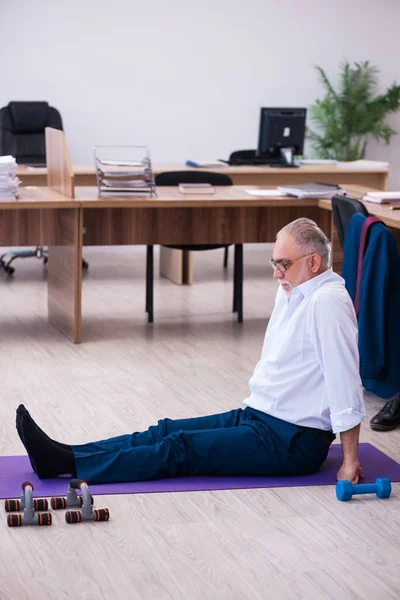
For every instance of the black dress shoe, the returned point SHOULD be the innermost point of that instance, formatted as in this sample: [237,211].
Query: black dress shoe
[388,417]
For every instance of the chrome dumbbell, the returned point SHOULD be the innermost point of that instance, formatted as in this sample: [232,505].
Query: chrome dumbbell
[17,505]
[70,500]
[28,517]
[88,513]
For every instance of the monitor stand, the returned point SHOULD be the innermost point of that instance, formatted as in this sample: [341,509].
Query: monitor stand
[286,158]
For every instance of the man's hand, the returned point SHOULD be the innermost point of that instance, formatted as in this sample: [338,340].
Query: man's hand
[351,468]
[352,471]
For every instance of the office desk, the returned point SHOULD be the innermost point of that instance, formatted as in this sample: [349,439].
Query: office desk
[245,175]
[176,264]
[229,216]
[43,217]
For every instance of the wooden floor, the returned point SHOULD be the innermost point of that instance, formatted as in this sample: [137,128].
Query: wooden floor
[195,359]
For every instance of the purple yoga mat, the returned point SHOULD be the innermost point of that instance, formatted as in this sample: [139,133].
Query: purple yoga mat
[14,470]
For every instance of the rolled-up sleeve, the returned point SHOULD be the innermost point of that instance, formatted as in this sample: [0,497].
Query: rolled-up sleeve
[334,335]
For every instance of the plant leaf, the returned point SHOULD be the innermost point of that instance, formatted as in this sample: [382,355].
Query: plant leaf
[343,120]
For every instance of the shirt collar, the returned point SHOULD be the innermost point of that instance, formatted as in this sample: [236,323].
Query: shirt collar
[308,287]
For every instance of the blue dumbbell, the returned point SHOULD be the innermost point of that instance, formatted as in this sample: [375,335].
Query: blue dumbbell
[345,490]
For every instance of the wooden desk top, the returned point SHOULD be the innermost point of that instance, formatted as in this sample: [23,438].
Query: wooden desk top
[253,169]
[87,196]
[318,170]
[224,196]
[229,196]
[33,196]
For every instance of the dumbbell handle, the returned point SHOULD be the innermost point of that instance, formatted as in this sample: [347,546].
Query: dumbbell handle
[365,488]
[76,483]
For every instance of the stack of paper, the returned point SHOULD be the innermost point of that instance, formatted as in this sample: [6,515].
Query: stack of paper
[9,181]
[311,190]
[363,164]
[382,197]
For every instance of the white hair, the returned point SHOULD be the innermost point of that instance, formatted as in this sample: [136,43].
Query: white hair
[309,238]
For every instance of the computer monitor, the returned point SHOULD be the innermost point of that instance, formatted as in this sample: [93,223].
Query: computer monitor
[281,135]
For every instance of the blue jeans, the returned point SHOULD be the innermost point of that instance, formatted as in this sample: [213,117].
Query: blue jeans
[238,442]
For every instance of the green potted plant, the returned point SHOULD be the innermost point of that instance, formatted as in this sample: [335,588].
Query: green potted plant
[345,118]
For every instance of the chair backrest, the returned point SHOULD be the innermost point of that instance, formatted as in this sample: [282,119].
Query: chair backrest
[343,209]
[242,155]
[22,130]
[177,177]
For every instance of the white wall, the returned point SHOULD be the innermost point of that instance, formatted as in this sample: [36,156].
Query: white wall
[187,78]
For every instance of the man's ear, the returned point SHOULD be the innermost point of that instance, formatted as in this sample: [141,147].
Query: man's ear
[315,262]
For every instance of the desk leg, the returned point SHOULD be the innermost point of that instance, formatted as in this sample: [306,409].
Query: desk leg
[176,265]
[65,274]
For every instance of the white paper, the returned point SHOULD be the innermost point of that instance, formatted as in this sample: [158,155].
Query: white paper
[315,161]
[383,195]
[8,181]
[363,164]
[121,163]
[7,159]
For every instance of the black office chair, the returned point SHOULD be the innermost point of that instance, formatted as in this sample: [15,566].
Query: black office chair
[22,126]
[343,209]
[172,178]
[22,134]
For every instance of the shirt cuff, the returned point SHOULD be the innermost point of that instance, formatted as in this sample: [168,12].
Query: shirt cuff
[346,419]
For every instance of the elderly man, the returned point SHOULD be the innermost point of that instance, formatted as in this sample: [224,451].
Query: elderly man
[305,389]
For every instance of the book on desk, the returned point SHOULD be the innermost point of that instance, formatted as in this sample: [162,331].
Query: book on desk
[205,164]
[196,188]
[382,197]
[390,199]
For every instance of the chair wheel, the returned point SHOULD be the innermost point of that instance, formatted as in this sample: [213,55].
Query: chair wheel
[9,270]
[85,265]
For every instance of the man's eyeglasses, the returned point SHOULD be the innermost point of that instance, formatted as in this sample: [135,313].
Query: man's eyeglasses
[283,264]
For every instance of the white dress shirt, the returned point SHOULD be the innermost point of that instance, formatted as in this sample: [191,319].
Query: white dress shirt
[308,373]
